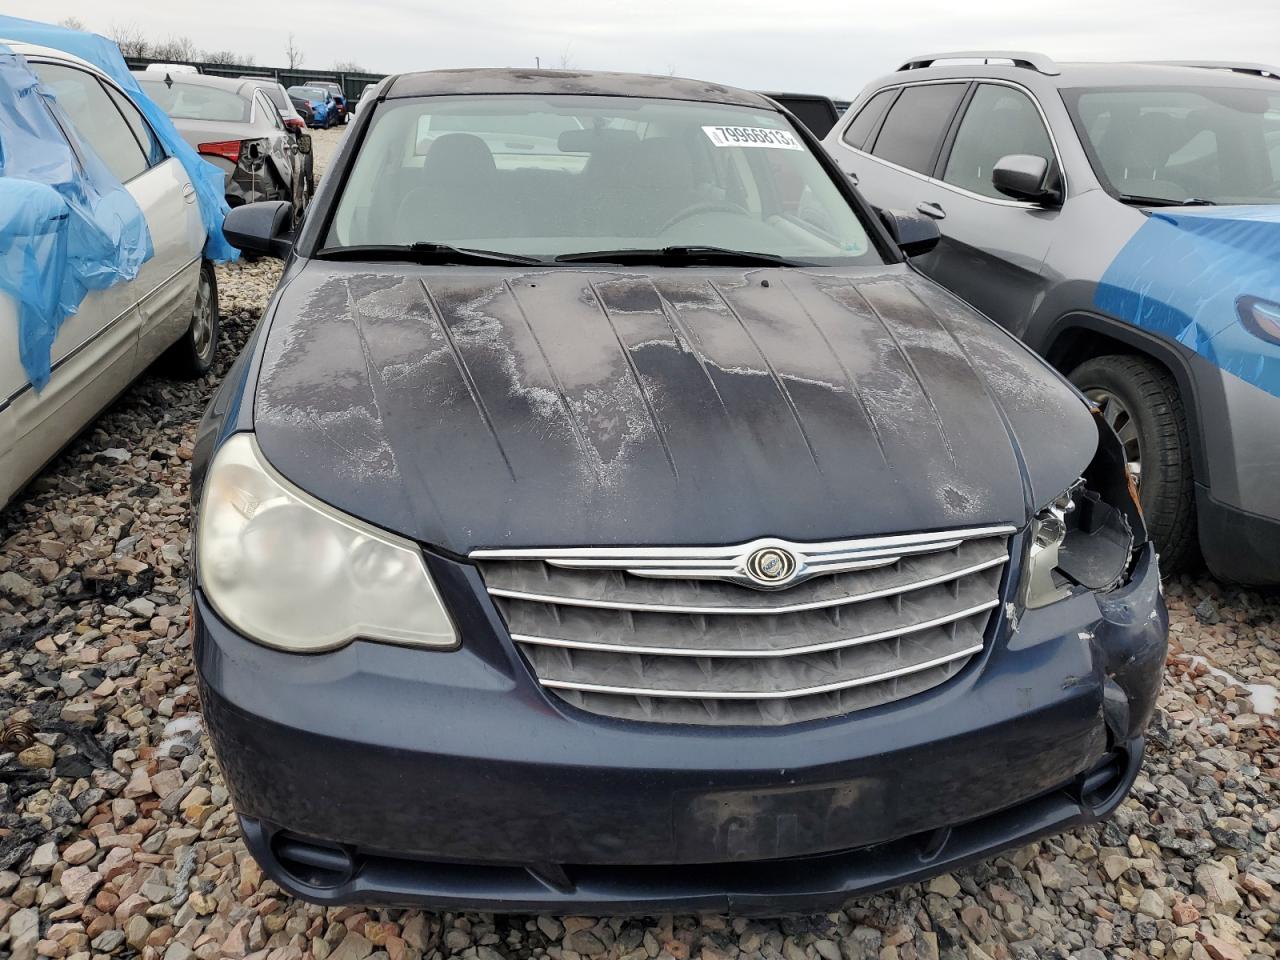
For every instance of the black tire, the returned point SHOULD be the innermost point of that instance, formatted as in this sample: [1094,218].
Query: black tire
[1141,401]
[193,355]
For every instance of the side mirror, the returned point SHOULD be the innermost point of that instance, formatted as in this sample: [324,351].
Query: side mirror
[912,233]
[264,228]
[1026,177]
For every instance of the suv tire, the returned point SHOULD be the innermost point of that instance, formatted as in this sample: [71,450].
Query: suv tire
[1142,403]
[193,355]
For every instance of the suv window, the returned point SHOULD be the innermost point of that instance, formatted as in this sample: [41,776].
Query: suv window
[855,135]
[999,121]
[914,127]
[97,121]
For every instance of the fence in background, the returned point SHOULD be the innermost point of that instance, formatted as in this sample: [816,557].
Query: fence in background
[351,83]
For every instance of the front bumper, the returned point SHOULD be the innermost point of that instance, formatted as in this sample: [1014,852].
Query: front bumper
[384,775]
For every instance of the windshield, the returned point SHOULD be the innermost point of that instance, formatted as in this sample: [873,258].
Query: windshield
[309,93]
[190,101]
[546,176]
[1215,144]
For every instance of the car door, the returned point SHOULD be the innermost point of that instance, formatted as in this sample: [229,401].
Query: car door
[94,353]
[993,247]
[165,288]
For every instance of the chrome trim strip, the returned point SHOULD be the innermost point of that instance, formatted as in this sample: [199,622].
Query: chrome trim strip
[791,608]
[763,695]
[754,654]
[733,563]
[631,554]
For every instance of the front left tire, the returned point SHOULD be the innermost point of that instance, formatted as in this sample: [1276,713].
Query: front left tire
[193,355]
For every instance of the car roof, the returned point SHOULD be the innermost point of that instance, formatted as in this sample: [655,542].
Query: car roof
[444,83]
[232,84]
[1042,70]
[52,53]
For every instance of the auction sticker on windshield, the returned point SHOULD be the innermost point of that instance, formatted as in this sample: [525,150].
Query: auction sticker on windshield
[752,137]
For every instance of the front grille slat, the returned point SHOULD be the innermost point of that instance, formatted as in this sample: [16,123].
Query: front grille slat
[677,637]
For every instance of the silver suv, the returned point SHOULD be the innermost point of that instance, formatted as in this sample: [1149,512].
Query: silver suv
[1124,220]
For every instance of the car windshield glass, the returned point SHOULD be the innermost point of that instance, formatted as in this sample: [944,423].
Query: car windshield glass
[1177,144]
[190,101]
[547,176]
[309,93]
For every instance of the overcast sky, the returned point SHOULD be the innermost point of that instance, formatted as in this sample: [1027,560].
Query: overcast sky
[819,46]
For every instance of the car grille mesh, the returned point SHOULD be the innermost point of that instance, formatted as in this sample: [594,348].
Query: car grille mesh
[704,651]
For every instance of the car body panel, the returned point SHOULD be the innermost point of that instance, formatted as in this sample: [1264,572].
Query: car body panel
[621,395]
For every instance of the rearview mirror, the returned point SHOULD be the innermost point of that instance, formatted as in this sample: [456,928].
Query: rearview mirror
[913,234]
[1024,176]
[264,228]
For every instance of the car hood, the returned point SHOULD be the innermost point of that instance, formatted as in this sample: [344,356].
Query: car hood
[481,407]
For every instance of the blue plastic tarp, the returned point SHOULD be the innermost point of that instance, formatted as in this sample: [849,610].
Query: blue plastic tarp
[1193,275]
[207,179]
[67,226]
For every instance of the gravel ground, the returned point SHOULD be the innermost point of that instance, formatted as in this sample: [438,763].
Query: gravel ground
[117,839]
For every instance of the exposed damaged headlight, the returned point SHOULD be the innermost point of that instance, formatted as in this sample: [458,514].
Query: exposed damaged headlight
[1085,539]
[291,572]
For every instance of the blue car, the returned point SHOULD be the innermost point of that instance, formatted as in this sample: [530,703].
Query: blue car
[1122,219]
[323,113]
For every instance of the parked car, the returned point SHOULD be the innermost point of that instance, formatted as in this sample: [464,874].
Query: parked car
[295,124]
[648,531]
[171,306]
[234,125]
[1122,220]
[815,111]
[324,112]
[367,91]
[339,97]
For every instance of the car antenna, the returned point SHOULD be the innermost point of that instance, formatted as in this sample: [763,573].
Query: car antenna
[168,80]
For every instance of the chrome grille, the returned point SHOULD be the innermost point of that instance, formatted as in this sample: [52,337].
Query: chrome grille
[676,635]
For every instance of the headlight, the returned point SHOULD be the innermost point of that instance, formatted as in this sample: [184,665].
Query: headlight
[291,572]
[1085,538]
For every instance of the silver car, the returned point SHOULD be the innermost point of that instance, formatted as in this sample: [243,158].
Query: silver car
[170,307]
[233,124]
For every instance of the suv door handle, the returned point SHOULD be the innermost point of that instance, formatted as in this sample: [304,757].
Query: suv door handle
[853,177]
[930,209]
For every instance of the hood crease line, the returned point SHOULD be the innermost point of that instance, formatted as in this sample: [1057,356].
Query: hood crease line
[911,365]
[773,375]
[635,375]
[464,371]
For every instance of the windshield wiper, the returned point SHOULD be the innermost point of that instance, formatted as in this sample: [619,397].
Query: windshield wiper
[422,252]
[1141,201]
[680,256]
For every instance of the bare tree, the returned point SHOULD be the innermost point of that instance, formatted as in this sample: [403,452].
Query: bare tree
[175,48]
[566,58]
[72,23]
[130,39]
[228,57]
[347,66]
[293,53]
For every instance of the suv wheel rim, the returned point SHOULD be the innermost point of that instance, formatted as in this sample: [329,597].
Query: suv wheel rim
[1121,420]
[202,318]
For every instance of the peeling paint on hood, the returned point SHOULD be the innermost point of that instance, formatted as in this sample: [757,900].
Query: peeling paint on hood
[472,407]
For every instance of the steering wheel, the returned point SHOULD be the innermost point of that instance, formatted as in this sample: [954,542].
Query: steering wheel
[705,206]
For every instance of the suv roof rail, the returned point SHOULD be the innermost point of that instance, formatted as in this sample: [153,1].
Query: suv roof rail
[1253,69]
[1019,58]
